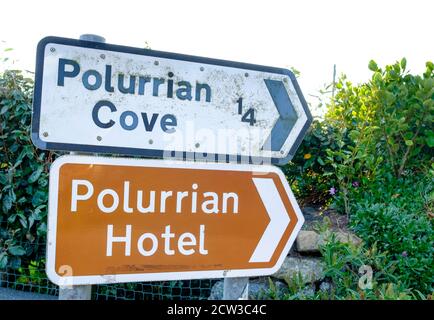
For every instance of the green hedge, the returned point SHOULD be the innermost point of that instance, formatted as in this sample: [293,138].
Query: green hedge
[23,175]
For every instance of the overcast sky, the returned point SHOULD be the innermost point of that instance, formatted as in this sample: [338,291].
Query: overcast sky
[308,35]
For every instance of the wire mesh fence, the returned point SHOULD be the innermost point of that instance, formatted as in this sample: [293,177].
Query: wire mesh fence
[33,279]
[30,279]
[163,290]
[28,274]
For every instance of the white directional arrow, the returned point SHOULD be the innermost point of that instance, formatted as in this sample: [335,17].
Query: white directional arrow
[279,220]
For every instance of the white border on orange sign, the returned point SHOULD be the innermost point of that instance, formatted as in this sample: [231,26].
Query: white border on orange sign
[160,276]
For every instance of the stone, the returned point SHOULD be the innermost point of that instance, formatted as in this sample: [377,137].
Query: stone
[310,269]
[217,291]
[260,289]
[305,293]
[310,241]
[311,216]
[325,286]
[307,241]
[347,237]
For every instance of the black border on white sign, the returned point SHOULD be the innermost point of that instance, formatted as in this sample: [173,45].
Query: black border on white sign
[149,153]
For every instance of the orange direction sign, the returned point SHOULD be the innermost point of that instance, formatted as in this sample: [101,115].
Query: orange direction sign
[123,220]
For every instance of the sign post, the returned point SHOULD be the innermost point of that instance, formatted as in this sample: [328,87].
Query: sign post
[236,289]
[71,292]
[226,214]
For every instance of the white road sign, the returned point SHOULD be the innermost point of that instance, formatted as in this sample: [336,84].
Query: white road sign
[96,97]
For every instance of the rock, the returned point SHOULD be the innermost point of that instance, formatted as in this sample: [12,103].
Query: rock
[307,241]
[311,216]
[305,293]
[310,269]
[325,286]
[259,288]
[216,291]
[310,241]
[310,212]
[347,237]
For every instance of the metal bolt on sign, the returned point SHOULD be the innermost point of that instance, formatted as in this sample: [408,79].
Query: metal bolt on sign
[83,292]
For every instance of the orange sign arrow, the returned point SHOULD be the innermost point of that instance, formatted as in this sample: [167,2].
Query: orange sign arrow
[123,220]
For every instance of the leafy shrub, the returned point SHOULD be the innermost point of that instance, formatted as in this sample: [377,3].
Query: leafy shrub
[389,122]
[347,265]
[382,128]
[23,175]
[372,158]
[306,171]
[352,273]
[384,174]
[397,216]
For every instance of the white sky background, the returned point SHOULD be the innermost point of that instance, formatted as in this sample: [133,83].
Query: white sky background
[308,35]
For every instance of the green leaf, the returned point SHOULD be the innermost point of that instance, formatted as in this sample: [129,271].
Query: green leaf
[39,198]
[3,260]
[17,251]
[42,229]
[428,103]
[39,212]
[354,135]
[3,179]
[15,262]
[408,143]
[377,77]
[12,218]
[320,161]
[403,63]
[7,203]
[23,221]
[372,65]
[430,141]
[4,109]
[36,174]
[42,182]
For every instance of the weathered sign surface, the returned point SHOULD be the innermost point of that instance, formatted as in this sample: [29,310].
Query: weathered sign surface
[122,220]
[101,98]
